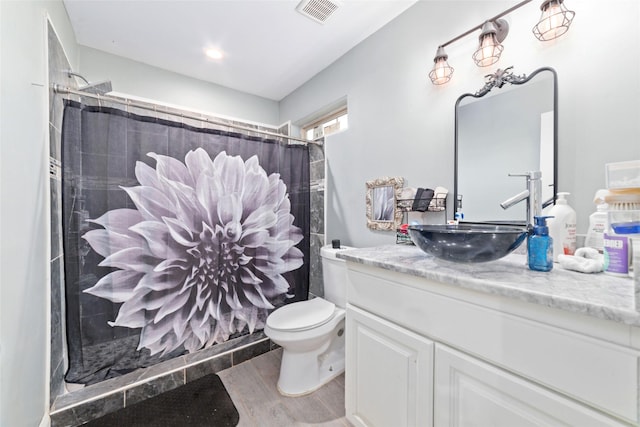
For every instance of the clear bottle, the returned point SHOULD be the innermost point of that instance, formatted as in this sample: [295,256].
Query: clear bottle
[540,246]
[597,228]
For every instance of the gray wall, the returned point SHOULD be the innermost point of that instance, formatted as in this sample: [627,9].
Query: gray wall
[142,80]
[401,124]
[25,254]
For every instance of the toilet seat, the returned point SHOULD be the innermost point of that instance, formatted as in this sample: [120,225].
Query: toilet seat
[301,316]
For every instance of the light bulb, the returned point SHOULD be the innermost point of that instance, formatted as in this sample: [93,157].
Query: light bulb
[488,44]
[490,48]
[489,51]
[551,22]
[442,71]
[554,22]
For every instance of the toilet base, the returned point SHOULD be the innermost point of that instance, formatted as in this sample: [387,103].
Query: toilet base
[325,381]
[305,372]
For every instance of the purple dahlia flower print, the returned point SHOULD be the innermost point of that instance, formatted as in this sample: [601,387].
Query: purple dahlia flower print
[202,255]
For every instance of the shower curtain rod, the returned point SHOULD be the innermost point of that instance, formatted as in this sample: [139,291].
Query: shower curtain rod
[146,106]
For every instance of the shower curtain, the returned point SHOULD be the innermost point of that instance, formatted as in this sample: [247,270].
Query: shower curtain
[176,238]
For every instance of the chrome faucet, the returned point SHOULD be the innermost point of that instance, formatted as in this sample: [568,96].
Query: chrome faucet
[533,196]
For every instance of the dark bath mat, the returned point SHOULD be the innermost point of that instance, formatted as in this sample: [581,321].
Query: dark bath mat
[200,403]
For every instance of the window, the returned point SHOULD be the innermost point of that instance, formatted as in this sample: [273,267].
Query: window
[326,125]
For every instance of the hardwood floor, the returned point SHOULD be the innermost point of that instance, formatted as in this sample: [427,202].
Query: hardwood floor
[252,386]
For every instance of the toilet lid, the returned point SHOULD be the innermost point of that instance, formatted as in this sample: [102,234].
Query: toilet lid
[301,315]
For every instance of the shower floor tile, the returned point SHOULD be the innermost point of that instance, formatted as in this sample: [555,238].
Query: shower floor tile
[252,387]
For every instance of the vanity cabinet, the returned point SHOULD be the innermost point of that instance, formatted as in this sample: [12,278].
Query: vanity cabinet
[425,353]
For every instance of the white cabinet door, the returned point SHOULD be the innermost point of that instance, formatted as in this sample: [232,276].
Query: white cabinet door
[389,373]
[470,393]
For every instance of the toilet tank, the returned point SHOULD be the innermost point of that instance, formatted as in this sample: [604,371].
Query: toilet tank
[334,273]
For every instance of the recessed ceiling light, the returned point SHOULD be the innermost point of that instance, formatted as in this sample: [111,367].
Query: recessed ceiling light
[214,53]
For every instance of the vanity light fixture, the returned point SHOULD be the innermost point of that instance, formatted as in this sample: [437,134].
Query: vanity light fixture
[442,71]
[555,21]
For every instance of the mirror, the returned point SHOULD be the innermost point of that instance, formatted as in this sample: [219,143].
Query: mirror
[507,127]
[382,210]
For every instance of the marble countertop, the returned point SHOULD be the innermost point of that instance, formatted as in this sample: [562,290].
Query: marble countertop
[600,295]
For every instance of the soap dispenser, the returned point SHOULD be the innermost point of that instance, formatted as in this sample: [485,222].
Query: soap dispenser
[540,246]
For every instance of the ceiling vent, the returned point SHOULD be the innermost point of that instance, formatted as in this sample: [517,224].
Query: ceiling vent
[318,10]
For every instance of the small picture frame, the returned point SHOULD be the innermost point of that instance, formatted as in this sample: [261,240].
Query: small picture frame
[382,210]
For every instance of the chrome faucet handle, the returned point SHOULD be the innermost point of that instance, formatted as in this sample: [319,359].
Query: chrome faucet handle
[528,175]
[515,199]
[532,195]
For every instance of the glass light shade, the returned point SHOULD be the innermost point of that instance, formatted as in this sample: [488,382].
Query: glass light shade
[489,51]
[442,71]
[554,22]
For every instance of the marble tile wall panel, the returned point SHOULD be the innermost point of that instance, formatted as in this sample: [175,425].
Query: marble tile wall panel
[88,411]
[56,222]
[317,175]
[232,344]
[58,74]
[58,67]
[58,365]
[211,366]
[316,170]
[153,387]
[317,212]
[160,369]
[57,380]
[316,152]
[316,285]
[247,353]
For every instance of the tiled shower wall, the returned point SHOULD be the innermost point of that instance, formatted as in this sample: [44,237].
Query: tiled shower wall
[58,65]
[91,402]
[316,170]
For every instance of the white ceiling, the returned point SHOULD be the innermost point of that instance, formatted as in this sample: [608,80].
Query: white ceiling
[270,48]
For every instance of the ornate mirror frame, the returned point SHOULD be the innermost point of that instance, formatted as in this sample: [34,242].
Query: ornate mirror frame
[498,80]
[382,207]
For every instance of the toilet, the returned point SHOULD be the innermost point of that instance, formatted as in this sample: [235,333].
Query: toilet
[311,333]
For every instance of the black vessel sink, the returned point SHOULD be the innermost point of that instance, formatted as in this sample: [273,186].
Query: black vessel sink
[468,242]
